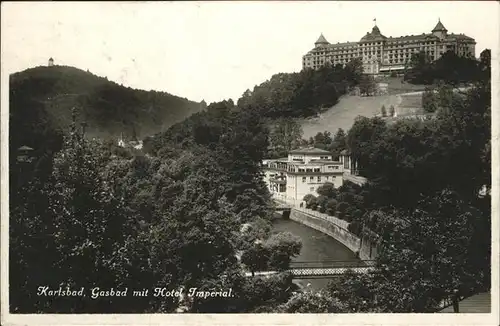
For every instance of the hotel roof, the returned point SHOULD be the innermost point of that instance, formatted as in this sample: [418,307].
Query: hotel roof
[309,150]
[322,39]
[439,27]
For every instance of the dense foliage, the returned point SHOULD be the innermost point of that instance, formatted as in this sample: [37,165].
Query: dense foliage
[426,205]
[192,211]
[172,218]
[440,250]
[304,93]
[449,68]
[427,155]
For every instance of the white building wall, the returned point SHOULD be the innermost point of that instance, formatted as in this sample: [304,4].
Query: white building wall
[307,158]
[305,177]
[291,186]
[312,183]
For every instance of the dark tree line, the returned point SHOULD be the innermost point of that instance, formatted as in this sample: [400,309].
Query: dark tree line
[449,68]
[98,217]
[304,93]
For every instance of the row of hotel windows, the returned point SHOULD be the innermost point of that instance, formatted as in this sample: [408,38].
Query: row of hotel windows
[398,43]
[387,50]
[300,159]
[372,46]
[318,178]
[390,51]
[415,47]
[331,167]
[386,56]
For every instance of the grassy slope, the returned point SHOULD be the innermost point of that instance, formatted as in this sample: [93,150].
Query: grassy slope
[342,115]
[108,108]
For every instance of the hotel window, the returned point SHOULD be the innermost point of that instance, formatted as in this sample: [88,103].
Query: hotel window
[303,179]
[311,189]
[319,179]
[311,178]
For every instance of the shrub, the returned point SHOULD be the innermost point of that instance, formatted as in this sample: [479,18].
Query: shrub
[313,203]
[322,200]
[331,206]
[328,190]
[429,100]
[308,198]
[357,213]
[342,207]
[354,227]
[392,111]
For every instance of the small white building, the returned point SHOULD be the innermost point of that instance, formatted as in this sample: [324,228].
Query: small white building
[303,172]
[51,62]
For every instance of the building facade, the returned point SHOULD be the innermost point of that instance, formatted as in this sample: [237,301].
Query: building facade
[381,54]
[303,172]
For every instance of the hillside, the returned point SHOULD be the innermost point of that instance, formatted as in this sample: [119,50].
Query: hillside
[108,108]
[405,97]
[342,115]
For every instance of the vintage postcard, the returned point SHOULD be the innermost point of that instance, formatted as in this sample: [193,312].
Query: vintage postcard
[257,163]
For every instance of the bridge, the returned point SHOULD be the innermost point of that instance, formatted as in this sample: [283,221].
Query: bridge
[282,206]
[322,269]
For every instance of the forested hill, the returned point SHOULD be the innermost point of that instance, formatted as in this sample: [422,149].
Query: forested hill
[304,93]
[108,108]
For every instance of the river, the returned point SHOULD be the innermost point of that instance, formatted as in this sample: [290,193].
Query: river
[316,246]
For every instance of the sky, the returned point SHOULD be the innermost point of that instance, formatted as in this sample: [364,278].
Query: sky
[214,50]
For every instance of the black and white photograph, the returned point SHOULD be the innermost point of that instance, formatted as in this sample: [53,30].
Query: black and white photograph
[250,162]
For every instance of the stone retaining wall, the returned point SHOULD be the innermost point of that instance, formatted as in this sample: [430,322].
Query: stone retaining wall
[338,232]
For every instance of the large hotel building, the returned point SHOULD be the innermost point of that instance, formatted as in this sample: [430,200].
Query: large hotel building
[381,54]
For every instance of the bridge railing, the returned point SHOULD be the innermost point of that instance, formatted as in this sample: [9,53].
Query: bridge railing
[331,264]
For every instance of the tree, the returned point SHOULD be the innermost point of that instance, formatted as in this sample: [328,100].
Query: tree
[328,190]
[322,140]
[266,294]
[313,302]
[339,143]
[285,135]
[419,70]
[392,111]
[435,242]
[361,140]
[312,203]
[307,198]
[331,207]
[429,100]
[354,69]
[485,64]
[256,258]
[367,85]
[355,292]
[383,111]
[282,247]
